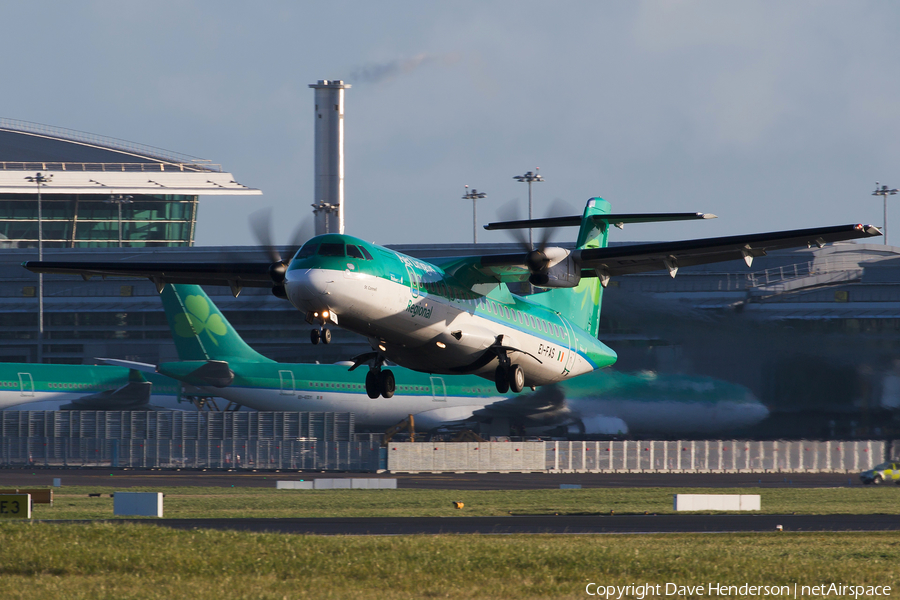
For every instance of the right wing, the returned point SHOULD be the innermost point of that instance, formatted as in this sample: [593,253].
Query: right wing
[236,275]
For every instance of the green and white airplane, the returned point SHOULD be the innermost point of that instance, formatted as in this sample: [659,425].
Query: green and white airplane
[215,359]
[458,316]
[31,386]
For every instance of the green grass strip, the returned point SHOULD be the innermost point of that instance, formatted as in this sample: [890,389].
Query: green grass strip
[141,561]
[203,502]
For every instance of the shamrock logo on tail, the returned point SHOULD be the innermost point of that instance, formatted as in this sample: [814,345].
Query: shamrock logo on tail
[197,319]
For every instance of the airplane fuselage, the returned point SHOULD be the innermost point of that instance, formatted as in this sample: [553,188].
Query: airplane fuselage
[420,317]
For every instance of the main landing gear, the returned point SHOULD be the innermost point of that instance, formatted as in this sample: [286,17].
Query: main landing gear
[380,382]
[509,377]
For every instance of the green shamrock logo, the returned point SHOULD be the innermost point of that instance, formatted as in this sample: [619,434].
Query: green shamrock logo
[197,319]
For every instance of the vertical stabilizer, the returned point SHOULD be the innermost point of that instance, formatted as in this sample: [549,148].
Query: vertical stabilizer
[581,304]
[200,331]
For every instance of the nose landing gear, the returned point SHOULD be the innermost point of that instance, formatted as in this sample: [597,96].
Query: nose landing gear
[322,334]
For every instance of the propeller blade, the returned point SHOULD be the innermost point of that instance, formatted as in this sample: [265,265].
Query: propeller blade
[261,226]
[303,232]
[510,212]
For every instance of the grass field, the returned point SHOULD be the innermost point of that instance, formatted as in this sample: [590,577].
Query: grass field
[200,502]
[108,560]
[144,561]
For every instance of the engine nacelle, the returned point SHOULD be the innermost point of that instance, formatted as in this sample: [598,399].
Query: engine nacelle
[562,271]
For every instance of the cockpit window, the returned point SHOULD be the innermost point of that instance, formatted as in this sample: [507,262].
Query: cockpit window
[365,253]
[306,251]
[353,251]
[331,250]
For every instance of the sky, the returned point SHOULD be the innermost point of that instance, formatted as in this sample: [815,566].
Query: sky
[773,115]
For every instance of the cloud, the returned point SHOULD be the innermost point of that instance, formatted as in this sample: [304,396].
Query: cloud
[375,73]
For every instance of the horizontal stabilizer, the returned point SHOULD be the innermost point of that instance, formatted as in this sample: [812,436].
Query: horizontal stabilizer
[575,220]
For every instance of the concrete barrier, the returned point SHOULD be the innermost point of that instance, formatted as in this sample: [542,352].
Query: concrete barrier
[730,502]
[294,485]
[478,457]
[138,504]
[336,483]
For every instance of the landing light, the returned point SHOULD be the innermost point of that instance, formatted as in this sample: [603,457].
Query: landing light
[324,314]
[441,345]
[382,348]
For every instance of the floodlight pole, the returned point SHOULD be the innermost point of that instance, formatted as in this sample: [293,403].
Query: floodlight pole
[884,192]
[120,199]
[38,180]
[530,178]
[474,195]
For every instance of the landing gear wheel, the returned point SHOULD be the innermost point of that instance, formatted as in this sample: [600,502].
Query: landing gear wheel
[502,380]
[325,335]
[388,384]
[373,384]
[314,336]
[516,378]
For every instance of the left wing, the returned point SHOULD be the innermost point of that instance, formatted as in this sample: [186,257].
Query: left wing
[659,256]
[639,258]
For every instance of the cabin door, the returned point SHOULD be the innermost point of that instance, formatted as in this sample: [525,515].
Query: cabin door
[26,385]
[438,389]
[287,382]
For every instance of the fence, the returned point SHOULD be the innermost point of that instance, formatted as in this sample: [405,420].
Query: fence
[190,454]
[177,425]
[724,456]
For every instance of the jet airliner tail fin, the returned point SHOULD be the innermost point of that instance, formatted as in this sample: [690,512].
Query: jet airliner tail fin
[200,331]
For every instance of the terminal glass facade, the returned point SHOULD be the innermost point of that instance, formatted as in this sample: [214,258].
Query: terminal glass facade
[93,220]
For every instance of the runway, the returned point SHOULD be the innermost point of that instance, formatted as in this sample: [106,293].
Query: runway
[572,525]
[450,481]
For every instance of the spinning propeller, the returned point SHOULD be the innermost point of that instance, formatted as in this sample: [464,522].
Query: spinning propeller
[261,226]
[536,259]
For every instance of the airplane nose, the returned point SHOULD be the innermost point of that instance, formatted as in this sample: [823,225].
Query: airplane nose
[308,284]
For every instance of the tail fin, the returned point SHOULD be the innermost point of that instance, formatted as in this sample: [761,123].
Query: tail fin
[581,304]
[200,331]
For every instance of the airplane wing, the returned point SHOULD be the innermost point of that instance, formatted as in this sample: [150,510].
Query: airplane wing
[639,258]
[659,256]
[234,274]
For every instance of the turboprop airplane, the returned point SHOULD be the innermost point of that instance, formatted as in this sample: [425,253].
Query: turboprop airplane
[29,386]
[458,316]
[215,359]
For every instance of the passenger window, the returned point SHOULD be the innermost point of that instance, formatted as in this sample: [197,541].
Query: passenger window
[353,251]
[331,250]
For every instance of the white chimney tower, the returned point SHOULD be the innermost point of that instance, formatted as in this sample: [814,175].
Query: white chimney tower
[329,193]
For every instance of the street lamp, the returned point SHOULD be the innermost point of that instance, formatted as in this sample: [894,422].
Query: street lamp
[120,200]
[530,178]
[884,192]
[39,180]
[474,196]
